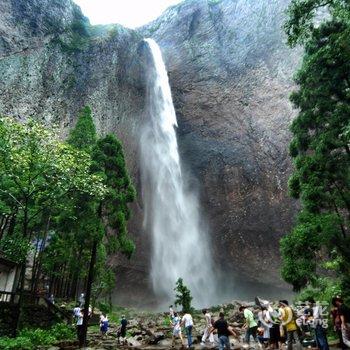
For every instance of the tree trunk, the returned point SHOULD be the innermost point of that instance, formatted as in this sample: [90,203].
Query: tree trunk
[82,341]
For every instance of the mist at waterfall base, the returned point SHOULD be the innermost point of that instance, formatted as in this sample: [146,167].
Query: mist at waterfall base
[180,244]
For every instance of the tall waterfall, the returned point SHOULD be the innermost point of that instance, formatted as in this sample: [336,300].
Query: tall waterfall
[180,245]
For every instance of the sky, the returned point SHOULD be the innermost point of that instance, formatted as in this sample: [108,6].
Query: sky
[129,13]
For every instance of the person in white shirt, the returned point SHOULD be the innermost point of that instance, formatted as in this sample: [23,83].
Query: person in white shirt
[76,311]
[176,323]
[79,324]
[316,322]
[187,321]
[207,330]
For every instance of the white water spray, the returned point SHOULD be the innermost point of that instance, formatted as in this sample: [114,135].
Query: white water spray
[179,244]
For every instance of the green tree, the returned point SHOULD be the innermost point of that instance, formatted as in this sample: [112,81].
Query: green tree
[83,136]
[104,221]
[320,145]
[183,296]
[36,174]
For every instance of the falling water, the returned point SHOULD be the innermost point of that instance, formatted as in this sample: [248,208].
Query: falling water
[180,244]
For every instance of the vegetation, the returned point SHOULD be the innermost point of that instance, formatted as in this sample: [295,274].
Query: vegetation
[31,339]
[320,150]
[183,296]
[65,203]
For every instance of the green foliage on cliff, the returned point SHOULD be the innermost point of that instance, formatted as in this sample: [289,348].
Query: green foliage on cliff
[320,146]
[301,22]
[83,136]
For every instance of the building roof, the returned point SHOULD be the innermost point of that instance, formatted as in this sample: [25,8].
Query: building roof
[5,261]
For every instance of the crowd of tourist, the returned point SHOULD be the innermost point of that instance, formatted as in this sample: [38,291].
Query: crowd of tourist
[274,326]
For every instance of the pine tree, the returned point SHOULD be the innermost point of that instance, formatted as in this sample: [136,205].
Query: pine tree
[183,296]
[320,146]
[83,136]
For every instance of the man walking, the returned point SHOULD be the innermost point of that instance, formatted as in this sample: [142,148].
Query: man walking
[288,321]
[187,321]
[207,330]
[221,326]
[318,324]
[250,324]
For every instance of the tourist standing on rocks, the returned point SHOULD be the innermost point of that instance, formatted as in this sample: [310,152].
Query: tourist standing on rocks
[187,321]
[171,312]
[121,335]
[250,324]
[76,311]
[317,322]
[344,313]
[104,324]
[176,323]
[288,321]
[337,323]
[264,327]
[82,299]
[222,328]
[208,325]
[79,325]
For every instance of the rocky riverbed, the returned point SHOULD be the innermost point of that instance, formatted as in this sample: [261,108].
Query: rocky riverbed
[153,331]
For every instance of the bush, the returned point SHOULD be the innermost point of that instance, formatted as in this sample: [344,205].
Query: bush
[19,343]
[30,339]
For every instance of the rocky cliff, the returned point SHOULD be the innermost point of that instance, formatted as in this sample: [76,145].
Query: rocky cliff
[230,74]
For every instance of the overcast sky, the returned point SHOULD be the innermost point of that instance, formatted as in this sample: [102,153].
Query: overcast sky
[129,13]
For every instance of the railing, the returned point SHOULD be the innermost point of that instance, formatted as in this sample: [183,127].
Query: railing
[36,298]
[9,297]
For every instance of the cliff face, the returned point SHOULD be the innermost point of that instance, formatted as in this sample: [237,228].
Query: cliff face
[230,75]
[52,63]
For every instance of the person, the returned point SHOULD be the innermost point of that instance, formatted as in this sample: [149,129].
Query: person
[79,325]
[122,330]
[264,326]
[272,316]
[104,324]
[207,330]
[76,311]
[288,321]
[52,299]
[171,312]
[337,323]
[175,322]
[250,324]
[82,299]
[344,313]
[222,328]
[187,321]
[317,323]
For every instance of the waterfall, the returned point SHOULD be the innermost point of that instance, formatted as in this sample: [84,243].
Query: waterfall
[180,245]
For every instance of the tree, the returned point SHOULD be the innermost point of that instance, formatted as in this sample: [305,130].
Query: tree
[104,221]
[183,296]
[320,145]
[83,136]
[37,172]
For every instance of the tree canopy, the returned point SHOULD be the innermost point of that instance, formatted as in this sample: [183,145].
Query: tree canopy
[320,145]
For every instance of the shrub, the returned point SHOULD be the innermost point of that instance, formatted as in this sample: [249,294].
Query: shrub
[30,339]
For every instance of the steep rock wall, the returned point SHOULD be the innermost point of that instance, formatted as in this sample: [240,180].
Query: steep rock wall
[231,75]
